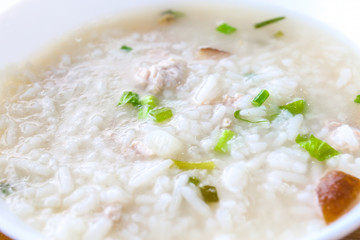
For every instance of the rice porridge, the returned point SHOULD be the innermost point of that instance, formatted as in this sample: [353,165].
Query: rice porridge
[183,124]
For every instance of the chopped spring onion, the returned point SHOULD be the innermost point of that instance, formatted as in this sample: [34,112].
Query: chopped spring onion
[126,48]
[5,189]
[267,22]
[272,117]
[357,99]
[296,107]
[316,147]
[222,144]
[249,75]
[194,180]
[144,112]
[209,194]
[209,165]
[238,117]
[129,97]
[160,114]
[176,14]
[278,34]
[151,101]
[170,16]
[260,98]
[226,28]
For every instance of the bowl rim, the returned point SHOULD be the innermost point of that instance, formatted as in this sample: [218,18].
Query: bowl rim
[10,18]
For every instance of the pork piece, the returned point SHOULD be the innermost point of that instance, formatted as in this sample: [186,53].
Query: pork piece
[141,148]
[211,53]
[167,74]
[114,211]
[337,193]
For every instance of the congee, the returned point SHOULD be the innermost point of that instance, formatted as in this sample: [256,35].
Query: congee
[183,123]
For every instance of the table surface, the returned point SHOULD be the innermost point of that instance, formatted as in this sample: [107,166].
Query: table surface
[353,236]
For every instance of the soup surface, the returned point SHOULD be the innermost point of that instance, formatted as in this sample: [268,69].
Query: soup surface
[131,129]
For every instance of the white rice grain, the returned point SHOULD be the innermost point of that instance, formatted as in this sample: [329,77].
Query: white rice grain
[195,202]
[235,176]
[164,144]
[289,177]
[99,229]
[46,190]
[344,77]
[254,112]
[293,126]
[145,176]
[65,180]
[86,205]
[208,91]
[113,195]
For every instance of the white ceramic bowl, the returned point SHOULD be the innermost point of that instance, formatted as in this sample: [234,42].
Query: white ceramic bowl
[28,25]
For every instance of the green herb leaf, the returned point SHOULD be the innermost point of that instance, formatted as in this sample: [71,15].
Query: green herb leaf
[278,34]
[144,112]
[151,101]
[160,114]
[271,117]
[226,28]
[126,48]
[296,107]
[249,75]
[170,16]
[238,117]
[5,189]
[267,22]
[176,14]
[129,97]
[209,194]
[194,180]
[317,148]
[260,98]
[209,165]
[222,143]
[357,99]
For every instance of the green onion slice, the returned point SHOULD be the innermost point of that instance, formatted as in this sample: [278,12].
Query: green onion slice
[272,117]
[357,99]
[129,97]
[267,22]
[226,28]
[250,75]
[209,194]
[222,143]
[317,148]
[238,117]
[260,98]
[194,180]
[296,107]
[144,112]
[176,14]
[151,101]
[5,189]
[160,114]
[278,34]
[209,165]
[126,48]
